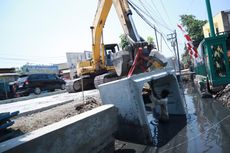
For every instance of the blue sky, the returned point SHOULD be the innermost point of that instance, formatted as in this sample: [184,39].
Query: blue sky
[42,31]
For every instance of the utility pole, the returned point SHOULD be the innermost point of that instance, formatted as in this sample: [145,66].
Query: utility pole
[173,38]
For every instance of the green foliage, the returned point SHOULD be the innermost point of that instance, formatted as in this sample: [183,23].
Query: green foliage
[124,41]
[150,40]
[193,26]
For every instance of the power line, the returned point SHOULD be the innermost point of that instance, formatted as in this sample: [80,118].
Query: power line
[162,4]
[160,15]
[148,14]
[151,25]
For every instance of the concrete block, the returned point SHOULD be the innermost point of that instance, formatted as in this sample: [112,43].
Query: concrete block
[89,132]
[126,95]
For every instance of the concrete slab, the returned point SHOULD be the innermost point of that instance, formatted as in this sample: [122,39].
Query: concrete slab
[44,102]
[205,128]
[126,95]
[31,96]
[88,132]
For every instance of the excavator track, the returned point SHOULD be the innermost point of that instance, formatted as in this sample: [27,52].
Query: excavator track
[76,85]
[104,78]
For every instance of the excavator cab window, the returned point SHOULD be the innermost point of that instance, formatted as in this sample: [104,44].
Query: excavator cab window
[110,49]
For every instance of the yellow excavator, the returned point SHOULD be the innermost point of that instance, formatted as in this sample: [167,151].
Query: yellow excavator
[108,61]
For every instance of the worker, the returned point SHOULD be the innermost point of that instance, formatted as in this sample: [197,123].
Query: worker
[162,101]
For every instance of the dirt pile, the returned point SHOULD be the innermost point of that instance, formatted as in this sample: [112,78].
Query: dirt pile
[38,120]
[89,104]
[224,96]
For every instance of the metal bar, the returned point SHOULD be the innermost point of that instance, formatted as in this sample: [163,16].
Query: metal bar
[156,38]
[5,125]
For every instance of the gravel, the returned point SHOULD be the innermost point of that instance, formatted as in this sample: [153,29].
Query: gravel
[38,120]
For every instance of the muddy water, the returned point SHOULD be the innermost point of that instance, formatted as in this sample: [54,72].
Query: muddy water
[204,129]
[207,127]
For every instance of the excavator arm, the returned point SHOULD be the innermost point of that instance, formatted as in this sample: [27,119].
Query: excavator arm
[102,12]
[125,17]
[108,58]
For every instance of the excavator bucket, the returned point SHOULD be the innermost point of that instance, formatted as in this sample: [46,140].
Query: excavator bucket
[120,62]
[126,94]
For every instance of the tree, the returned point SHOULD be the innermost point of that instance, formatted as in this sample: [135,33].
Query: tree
[150,40]
[124,41]
[193,26]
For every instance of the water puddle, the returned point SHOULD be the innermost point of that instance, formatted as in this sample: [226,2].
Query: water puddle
[206,127]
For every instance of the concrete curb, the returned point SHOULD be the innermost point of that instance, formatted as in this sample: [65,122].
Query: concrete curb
[89,132]
[43,108]
[31,97]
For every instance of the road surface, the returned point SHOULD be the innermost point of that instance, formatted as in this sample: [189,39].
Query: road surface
[204,129]
[44,102]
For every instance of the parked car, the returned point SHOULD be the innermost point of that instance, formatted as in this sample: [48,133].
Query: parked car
[36,83]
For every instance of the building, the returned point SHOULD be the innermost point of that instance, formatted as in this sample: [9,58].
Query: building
[221,23]
[7,77]
[7,70]
[32,69]
[88,55]
[64,70]
[73,58]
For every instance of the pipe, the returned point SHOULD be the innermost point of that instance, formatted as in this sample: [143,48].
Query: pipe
[210,20]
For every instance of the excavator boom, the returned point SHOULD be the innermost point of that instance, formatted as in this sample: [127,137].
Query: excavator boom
[125,17]
[102,12]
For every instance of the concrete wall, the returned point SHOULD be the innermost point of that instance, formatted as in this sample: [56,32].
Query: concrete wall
[134,125]
[89,132]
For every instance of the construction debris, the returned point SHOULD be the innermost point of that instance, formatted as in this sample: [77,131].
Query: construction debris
[224,96]
[31,122]
[89,104]
[5,121]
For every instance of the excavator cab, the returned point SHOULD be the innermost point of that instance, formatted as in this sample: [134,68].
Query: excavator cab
[109,50]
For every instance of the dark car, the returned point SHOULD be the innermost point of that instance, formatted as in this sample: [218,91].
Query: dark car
[35,83]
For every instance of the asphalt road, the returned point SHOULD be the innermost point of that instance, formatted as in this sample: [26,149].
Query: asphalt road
[44,102]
